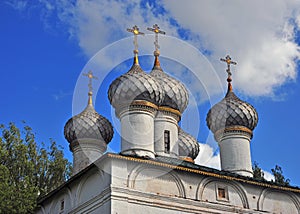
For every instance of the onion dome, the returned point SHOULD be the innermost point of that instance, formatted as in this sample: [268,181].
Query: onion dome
[188,146]
[176,95]
[88,124]
[135,84]
[231,111]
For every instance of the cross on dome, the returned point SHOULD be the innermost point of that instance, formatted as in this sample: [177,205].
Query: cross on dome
[136,31]
[157,31]
[91,76]
[229,62]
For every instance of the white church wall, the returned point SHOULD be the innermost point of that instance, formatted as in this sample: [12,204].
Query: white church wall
[276,201]
[124,207]
[80,193]
[119,185]
[159,181]
[224,192]
[62,203]
[155,180]
[91,186]
[132,201]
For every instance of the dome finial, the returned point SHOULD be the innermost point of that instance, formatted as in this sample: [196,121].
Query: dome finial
[156,30]
[229,62]
[90,93]
[136,32]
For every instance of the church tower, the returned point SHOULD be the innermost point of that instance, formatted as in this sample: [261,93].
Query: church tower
[232,121]
[88,133]
[155,172]
[136,97]
[169,112]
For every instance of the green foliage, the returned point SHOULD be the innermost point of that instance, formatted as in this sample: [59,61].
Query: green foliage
[278,175]
[277,172]
[27,171]
[257,172]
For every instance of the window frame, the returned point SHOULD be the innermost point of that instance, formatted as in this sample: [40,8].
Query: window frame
[167,141]
[222,187]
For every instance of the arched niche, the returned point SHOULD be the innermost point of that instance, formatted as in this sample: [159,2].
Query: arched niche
[156,180]
[276,201]
[209,189]
[62,202]
[90,186]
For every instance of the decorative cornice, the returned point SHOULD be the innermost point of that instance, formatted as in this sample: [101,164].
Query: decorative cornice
[170,111]
[87,142]
[143,103]
[240,130]
[174,203]
[140,105]
[201,172]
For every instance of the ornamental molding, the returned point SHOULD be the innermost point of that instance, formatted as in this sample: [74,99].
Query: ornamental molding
[239,189]
[267,191]
[233,131]
[170,112]
[87,143]
[137,105]
[205,173]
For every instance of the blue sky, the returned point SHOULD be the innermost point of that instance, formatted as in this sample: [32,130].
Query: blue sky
[46,46]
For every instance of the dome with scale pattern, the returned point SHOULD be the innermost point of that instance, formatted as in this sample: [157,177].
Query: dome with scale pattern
[134,85]
[176,95]
[230,112]
[188,146]
[88,124]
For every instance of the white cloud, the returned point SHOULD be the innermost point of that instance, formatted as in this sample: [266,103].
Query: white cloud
[206,157]
[98,23]
[60,95]
[17,5]
[259,35]
[268,176]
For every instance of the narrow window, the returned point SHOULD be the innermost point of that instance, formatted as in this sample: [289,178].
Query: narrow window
[221,193]
[62,205]
[167,141]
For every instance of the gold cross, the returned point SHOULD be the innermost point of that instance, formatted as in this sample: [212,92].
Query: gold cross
[136,32]
[229,62]
[156,30]
[90,76]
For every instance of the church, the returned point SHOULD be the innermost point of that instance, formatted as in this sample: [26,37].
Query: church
[155,170]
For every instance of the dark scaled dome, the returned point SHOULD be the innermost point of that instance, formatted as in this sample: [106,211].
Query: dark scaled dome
[176,95]
[135,85]
[88,124]
[231,111]
[188,146]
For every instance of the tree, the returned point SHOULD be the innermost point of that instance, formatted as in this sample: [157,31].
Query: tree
[27,170]
[278,175]
[257,172]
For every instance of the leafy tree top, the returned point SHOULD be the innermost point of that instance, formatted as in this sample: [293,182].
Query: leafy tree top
[28,169]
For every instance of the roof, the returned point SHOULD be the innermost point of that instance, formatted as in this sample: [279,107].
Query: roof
[176,164]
